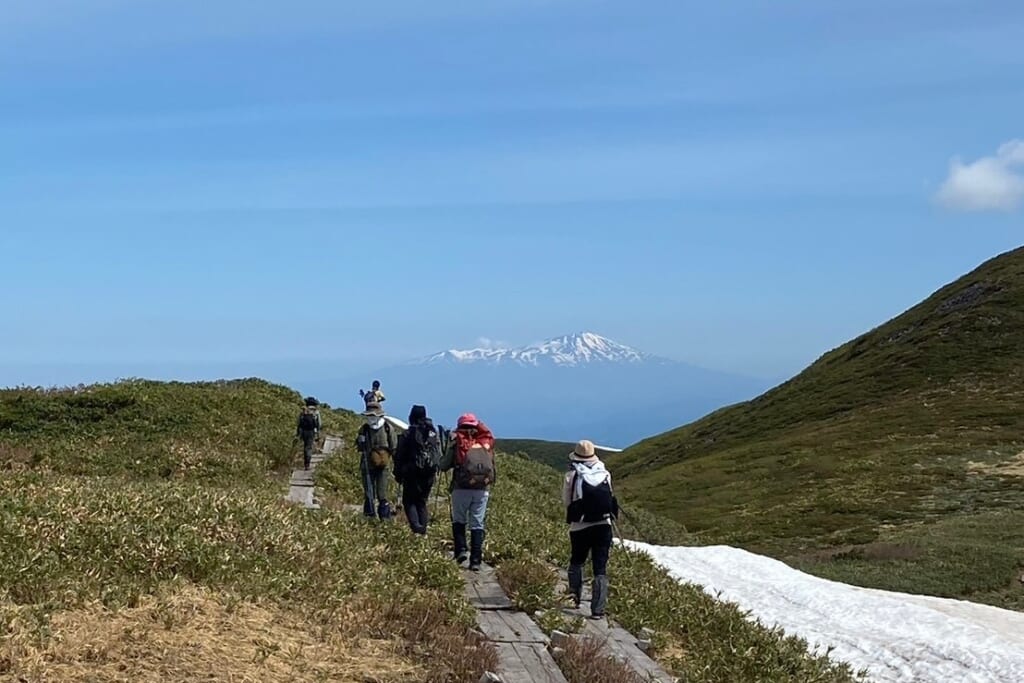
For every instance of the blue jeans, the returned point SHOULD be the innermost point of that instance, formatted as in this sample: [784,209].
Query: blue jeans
[469,507]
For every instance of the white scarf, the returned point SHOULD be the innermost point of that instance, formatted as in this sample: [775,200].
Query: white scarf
[594,473]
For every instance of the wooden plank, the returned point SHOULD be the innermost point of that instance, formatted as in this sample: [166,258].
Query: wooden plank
[539,663]
[332,444]
[509,627]
[511,667]
[483,590]
[527,663]
[621,644]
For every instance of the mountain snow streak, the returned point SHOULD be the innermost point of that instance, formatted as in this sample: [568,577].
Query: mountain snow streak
[569,350]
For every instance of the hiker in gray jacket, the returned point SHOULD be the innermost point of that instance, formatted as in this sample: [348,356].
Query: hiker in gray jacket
[590,507]
[376,443]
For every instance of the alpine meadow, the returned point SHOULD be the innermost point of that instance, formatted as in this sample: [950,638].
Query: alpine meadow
[182,561]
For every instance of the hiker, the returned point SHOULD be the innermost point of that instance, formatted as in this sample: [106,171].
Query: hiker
[376,444]
[416,463]
[590,508]
[308,429]
[374,395]
[471,458]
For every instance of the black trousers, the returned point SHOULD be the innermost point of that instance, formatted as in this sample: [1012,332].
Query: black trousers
[308,444]
[415,505]
[595,541]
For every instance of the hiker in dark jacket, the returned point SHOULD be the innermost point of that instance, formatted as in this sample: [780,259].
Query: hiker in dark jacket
[416,461]
[470,456]
[374,395]
[376,445]
[308,429]
[590,508]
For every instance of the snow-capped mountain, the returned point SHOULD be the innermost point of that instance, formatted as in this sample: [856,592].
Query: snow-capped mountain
[576,349]
[576,386]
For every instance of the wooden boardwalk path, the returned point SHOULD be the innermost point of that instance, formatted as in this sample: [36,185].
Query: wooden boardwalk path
[523,655]
[522,647]
[617,641]
[300,485]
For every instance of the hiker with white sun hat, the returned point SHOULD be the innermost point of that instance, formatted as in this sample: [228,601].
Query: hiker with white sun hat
[590,507]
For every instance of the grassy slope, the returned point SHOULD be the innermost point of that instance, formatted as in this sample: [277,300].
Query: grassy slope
[152,506]
[896,453]
[144,536]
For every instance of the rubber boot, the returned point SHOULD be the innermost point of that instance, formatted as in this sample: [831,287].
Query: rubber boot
[476,549]
[600,597]
[459,540]
[576,584]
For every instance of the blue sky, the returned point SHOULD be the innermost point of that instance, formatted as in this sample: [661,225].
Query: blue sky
[229,188]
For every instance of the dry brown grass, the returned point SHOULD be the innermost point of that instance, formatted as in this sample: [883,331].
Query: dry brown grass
[1014,467]
[14,457]
[455,653]
[585,661]
[194,634]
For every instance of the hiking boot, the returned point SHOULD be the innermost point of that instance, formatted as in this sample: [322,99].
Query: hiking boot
[476,549]
[459,539]
[384,510]
[576,584]
[600,597]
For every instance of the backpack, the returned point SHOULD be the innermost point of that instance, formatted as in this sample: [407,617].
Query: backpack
[476,469]
[596,504]
[378,451]
[307,421]
[426,444]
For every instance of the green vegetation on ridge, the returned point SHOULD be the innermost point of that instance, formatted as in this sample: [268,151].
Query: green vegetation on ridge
[894,461]
[193,567]
[552,453]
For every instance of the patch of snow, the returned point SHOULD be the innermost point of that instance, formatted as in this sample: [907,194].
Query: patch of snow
[894,636]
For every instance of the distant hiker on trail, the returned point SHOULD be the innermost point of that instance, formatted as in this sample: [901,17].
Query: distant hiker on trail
[376,444]
[590,507]
[308,429]
[471,457]
[416,463]
[374,395]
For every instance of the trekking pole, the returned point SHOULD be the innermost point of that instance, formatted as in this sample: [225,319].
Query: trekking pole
[618,531]
[629,519]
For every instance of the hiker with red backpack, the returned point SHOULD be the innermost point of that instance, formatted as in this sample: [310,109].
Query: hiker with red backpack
[590,508]
[376,444]
[471,459]
[416,462]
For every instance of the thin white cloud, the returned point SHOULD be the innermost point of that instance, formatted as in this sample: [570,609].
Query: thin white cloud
[994,183]
[488,343]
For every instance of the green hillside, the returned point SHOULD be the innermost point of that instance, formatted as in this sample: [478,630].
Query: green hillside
[896,460]
[551,453]
[145,538]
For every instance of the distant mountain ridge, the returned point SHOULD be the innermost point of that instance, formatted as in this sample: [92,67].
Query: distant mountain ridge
[570,387]
[575,349]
